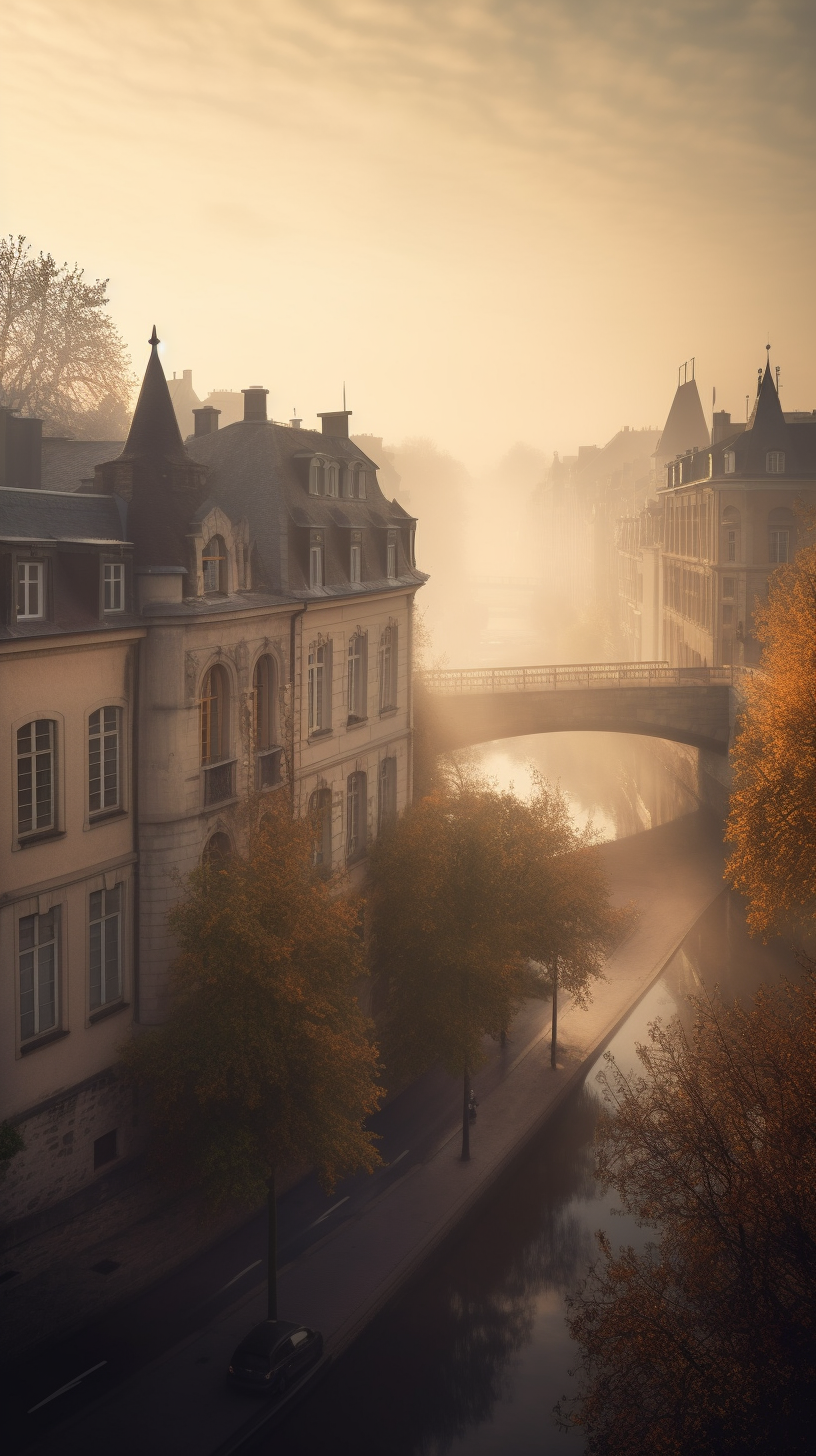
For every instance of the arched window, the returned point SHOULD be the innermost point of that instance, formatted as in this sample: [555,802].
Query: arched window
[387,798]
[332,480]
[357,675]
[316,477]
[391,554]
[775,462]
[214,716]
[361,484]
[265,722]
[320,808]
[356,815]
[214,565]
[729,462]
[388,668]
[217,849]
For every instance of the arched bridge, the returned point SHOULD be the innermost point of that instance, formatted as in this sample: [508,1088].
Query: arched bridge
[476,705]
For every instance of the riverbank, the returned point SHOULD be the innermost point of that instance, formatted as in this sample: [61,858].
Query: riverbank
[181,1403]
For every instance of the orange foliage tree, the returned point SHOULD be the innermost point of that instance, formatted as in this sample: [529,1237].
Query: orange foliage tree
[705,1343]
[772,822]
[266,1058]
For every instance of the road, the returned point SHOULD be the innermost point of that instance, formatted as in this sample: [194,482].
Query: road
[48,1383]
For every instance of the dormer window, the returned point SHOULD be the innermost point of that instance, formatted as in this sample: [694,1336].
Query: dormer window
[775,462]
[729,462]
[214,566]
[361,484]
[316,477]
[332,481]
[391,554]
[316,559]
[114,586]
[30,591]
[412,545]
[356,557]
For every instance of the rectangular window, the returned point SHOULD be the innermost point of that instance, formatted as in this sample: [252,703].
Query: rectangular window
[103,760]
[361,485]
[356,564]
[387,805]
[315,566]
[319,687]
[729,586]
[105,947]
[357,673]
[728,616]
[779,546]
[388,668]
[114,586]
[356,814]
[38,974]
[391,557]
[36,777]
[30,590]
[731,546]
[105,1149]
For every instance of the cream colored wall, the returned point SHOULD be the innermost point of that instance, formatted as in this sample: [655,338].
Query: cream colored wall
[66,681]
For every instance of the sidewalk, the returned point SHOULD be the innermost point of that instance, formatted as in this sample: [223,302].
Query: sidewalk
[181,1403]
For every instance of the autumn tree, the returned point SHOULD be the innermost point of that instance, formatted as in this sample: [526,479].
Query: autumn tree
[61,357]
[266,1058]
[705,1343]
[568,922]
[772,821]
[444,932]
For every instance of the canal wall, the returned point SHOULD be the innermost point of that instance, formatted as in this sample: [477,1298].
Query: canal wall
[180,1402]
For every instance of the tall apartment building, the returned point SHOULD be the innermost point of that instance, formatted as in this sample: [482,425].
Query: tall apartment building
[192,625]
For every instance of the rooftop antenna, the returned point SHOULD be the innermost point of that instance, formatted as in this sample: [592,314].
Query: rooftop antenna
[777,378]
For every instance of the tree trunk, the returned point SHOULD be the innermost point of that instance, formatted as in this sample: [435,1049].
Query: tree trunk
[554,1042]
[466,1117]
[272,1278]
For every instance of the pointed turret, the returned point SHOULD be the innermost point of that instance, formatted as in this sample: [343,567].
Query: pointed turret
[155,476]
[767,429]
[154,430]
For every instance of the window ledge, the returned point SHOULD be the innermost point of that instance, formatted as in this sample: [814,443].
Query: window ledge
[30,839]
[104,815]
[388,712]
[354,722]
[45,1040]
[102,1012]
[320,733]
[357,856]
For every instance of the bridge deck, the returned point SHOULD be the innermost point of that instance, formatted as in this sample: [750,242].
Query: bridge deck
[455,680]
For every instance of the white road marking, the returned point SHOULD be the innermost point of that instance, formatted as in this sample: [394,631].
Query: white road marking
[394,1162]
[330,1210]
[69,1386]
[235,1279]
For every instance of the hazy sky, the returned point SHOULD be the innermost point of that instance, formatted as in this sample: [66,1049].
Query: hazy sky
[496,220]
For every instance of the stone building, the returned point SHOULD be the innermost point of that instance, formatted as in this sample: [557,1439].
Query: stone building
[730,517]
[197,624]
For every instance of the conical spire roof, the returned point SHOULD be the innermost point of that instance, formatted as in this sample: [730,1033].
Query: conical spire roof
[685,425]
[154,430]
[767,427]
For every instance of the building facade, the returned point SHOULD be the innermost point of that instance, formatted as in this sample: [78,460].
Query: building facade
[195,625]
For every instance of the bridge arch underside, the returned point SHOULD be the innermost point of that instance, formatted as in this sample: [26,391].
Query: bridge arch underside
[694,714]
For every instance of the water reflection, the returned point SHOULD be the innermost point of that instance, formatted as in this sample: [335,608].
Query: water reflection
[472,1358]
[623,783]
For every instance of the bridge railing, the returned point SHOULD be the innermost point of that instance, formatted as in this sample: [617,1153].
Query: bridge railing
[449,680]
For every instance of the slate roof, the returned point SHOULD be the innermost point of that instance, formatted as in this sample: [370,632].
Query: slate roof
[259,471]
[685,424]
[66,463]
[48,515]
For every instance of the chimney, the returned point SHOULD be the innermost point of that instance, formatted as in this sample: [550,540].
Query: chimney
[187,376]
[20,451]
[296,423]
[722,426]
[255,404]
[335,422]
[206,420]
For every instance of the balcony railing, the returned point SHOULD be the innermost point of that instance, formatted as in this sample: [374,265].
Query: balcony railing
[219,782]
[449,680]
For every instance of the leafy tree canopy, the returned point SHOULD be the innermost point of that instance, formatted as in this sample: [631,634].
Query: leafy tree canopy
[706,1343]
[266,1058]
[61,357]
[772,821]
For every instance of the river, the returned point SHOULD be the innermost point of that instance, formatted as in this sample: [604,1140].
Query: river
[473,1356]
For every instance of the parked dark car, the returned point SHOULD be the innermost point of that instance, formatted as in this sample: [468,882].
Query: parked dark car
[273,1355]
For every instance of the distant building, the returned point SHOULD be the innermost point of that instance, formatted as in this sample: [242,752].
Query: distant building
[230,617]
[729,519]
